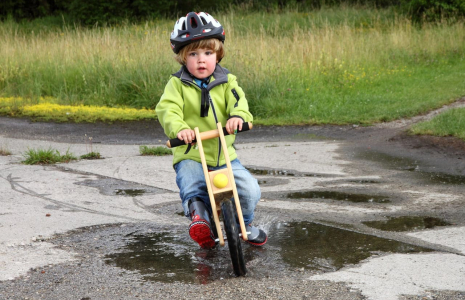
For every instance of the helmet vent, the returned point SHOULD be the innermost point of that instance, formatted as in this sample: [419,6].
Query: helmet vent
[194,23]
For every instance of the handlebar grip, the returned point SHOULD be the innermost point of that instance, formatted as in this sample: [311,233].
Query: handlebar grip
[207,135]
[246,126]
[171,143]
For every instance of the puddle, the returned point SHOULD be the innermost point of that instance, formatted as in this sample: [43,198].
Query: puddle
[272,181]
[170,257]
[420,170]
[157,256]
[129,192]
[257,171]
[407,223]
[365,181]
[276,172]
[340,196]
[173,257]
[325,248]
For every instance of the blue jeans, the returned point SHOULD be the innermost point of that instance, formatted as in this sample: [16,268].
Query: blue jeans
[191,182]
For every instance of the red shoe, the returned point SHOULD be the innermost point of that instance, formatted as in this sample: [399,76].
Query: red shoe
[200,232]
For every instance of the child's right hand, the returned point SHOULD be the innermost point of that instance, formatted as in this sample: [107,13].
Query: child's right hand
[186,135]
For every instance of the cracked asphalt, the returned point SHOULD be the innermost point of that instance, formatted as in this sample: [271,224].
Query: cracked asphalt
[352,213]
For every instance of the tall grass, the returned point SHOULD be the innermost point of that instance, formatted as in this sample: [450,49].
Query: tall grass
[380,71]
[339,65]
[125,65]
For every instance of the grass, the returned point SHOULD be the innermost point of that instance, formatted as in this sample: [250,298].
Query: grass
[156,151]
[330,66]
[449,123]
[46,156]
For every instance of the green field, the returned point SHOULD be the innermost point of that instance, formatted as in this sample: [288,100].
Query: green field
[330,66]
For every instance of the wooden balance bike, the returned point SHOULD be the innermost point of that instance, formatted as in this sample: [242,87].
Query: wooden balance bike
[221,188]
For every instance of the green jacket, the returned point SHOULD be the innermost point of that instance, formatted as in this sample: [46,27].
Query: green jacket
[184,105]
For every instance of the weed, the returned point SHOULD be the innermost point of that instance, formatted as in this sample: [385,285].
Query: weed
[157,151]
[91,155]
[4,151]
[46,156]
[88,143]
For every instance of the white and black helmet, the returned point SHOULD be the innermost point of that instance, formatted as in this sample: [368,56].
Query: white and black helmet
[195,26]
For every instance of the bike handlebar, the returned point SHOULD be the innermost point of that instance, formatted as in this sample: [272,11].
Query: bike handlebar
[207,135]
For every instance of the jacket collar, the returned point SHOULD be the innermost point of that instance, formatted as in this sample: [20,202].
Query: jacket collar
[220,76]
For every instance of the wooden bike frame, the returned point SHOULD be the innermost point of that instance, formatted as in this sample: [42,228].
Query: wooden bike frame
[215,194]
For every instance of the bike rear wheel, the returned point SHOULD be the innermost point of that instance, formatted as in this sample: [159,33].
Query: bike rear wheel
[234,241]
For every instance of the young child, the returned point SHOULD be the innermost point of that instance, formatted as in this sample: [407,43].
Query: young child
[201,94]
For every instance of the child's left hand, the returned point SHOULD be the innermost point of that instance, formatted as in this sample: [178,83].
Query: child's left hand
[233,125]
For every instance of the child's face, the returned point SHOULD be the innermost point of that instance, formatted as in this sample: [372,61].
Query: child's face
[201,62]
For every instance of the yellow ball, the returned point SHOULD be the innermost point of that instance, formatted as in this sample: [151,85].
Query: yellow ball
[220,180]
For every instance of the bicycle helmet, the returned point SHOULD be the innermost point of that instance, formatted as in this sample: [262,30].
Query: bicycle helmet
[195,26]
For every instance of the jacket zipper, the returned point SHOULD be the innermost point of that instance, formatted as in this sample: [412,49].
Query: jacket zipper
[214,115]
[216,122]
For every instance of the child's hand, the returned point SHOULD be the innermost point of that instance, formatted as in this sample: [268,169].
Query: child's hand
[186,135]
[233,125]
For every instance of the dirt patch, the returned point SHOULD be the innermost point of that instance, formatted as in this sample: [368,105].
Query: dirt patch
[448,145]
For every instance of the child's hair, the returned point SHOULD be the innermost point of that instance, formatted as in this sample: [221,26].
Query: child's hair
[211,44]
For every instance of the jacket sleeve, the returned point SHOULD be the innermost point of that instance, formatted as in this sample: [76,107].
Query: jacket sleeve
[169,109]
[236,103]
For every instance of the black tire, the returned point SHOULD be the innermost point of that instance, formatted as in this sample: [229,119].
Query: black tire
[234,241]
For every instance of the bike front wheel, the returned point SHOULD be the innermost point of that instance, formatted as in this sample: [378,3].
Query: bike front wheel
[234,241]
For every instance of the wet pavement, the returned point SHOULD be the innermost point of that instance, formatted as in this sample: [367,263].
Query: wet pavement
[351,213]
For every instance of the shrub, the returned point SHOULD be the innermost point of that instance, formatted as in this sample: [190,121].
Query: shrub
[97,12]
[434,10]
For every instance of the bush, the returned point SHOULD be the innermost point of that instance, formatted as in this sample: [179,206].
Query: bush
[92,12]
[434,10]
[32,9]
[312,4]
